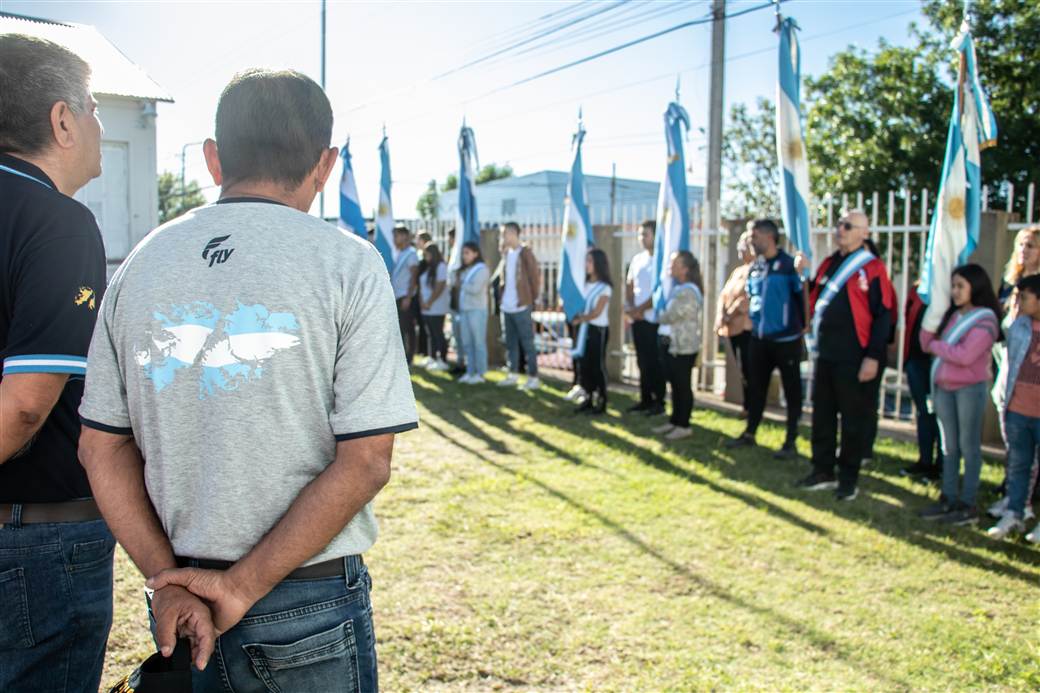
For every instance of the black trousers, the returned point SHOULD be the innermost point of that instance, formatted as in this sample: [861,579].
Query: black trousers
[423,345]
[837,391]
[763,356]
[680,377]
[740,345]
[594,363]
[651,375]
[572,332]
[406,318]
[871,434]
[437,344]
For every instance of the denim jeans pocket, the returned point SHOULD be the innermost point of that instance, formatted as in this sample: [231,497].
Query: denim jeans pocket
[15,630]
[321,662]
[91,554]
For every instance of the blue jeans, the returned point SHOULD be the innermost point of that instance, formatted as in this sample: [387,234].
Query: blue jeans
[1023,437]
[55,604]
[960,424]
[473,325]
[304,635]
[519,330]
[461,351]
[918,377]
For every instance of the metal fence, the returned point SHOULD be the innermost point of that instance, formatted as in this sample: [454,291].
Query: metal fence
[899,225]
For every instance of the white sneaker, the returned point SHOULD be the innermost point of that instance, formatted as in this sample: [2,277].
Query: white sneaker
[1028,515]
[1008,524]
[678,433]
[466,380]
[999,508]
[1034,536]
[476,380]
[663,428]
[442,365]
[574,393]
[511,379]
[531,384]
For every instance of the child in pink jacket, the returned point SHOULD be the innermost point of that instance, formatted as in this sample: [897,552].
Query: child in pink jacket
[961,373]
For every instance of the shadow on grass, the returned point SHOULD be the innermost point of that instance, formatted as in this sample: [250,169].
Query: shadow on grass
[754,467]
[816,638]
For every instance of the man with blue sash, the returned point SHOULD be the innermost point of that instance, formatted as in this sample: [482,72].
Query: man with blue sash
[852,303]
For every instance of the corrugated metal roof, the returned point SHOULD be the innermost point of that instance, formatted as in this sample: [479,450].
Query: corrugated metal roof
[112,73]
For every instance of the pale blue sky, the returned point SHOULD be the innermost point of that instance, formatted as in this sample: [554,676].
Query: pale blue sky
[382,55]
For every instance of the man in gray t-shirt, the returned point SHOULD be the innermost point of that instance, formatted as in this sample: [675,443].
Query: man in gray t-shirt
[251,353]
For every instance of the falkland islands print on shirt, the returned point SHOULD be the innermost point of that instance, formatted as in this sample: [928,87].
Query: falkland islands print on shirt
[230,349]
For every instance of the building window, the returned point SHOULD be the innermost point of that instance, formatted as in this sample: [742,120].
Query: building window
[509,207]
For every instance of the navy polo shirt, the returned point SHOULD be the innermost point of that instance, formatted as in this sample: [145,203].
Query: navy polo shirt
[52,277]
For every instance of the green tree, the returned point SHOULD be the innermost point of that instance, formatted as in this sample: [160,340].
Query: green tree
[172,201]
[1007,44]
[450,183]
[749,155]
[428,205]
[492,172]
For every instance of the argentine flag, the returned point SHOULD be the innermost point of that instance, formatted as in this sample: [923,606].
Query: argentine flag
[954,232]
[673,210]
[350,217]
[467,228]
[790,145]
[577,235]
[385,214]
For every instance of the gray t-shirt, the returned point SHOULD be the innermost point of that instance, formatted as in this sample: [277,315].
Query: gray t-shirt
[442,304]
[401,275]
[238,344]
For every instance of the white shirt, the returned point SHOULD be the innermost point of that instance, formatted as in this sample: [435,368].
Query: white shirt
[641,274]
[603,319]
[510,299]
[443,302]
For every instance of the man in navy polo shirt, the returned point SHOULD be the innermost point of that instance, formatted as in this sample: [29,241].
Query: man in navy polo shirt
[55,550]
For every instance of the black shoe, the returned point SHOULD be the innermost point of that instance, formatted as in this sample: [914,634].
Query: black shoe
[917,469]
[818,481]
[641,406]
[457,370]
[961,515]
[935,511]
[846,494]
[787,452]
[741,441]
[934,473]
[584,407]
[654,410]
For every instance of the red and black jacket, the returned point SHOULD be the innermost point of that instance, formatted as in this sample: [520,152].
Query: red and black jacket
[861,319]
[915,308]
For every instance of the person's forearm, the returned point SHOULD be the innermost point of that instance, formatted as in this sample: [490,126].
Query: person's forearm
[116,473]
[437,291]
[25,403]
[322,509]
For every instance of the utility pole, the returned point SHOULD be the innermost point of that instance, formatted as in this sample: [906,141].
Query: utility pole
[718,57]
[321,196]
[613,190]
[184,154]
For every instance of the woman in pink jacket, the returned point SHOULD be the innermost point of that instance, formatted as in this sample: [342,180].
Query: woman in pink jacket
[960,380]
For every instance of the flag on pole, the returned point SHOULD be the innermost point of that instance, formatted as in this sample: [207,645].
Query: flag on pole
[673,211]
[954,231]
[577,234]
[385,213]
[467,227]
[350,217]
[790,144]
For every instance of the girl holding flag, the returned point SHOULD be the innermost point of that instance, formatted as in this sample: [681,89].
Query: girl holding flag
[682,312]
[592,325]
[960,375]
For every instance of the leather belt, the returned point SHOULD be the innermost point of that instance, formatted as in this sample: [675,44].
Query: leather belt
[334,567]
[37,513]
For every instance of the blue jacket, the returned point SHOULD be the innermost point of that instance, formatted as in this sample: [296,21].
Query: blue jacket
[777,303]
[1019,336]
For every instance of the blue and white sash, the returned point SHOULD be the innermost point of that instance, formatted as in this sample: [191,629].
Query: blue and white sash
[402,257]
[24,175]
[953,337]
[595,291]
[849,266]
[471,272]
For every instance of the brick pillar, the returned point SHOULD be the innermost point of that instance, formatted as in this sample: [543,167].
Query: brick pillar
[489,238]
[612,246]
[734,391]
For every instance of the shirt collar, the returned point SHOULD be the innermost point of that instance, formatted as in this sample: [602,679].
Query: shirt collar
[25,167]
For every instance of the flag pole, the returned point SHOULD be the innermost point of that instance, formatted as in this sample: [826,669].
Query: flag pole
[321,196]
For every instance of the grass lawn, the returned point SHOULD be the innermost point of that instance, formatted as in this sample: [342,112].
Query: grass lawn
[526,548]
